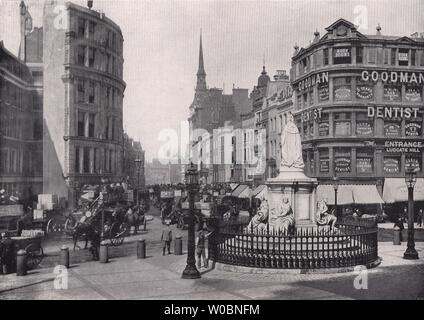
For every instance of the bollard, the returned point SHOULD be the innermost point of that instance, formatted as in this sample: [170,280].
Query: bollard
[178,246]
[396,236]
[64,256]
[141,249]
[103,256]
[145,223]
[21,263]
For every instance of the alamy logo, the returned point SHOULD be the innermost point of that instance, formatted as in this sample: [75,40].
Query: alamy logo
[61,279]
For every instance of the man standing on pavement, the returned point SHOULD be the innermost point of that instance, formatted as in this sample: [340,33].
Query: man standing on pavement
[420,217]
[201,250]
[166,238]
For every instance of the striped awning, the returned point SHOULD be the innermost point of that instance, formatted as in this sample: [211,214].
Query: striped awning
[395,190]
[242,191]
[350,194]
[260,191]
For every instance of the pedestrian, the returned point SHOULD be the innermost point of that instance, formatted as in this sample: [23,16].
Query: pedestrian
[420,217]
[166,238]
[399,226]
[405,215]
[201,250]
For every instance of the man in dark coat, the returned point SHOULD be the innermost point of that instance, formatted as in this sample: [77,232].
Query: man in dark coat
[166,238]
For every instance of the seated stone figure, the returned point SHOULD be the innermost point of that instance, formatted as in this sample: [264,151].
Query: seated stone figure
[323,216]
[258,222]
[281,219]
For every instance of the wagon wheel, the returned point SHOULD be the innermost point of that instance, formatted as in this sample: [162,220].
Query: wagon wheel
[117,233]
[54,226]
[69,225]
[34,255]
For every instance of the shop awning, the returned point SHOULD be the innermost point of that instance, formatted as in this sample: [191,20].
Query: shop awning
[366,194]
[233,186]
[242,191]
[350,194]
[395,190]
[260,191]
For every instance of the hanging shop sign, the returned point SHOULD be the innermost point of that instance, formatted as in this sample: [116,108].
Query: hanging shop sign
[413,94]
[323,93]
[413,129]
[324,165]
[363,128]
[403,146]
[392,130]
[311,115]
[364,165]
[364,92]
[342,164]
[394,76]
[313,80]
[391,165]
[393,112]
[342,93]
[286,93]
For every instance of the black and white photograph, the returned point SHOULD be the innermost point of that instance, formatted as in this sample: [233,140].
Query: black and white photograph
[228,152]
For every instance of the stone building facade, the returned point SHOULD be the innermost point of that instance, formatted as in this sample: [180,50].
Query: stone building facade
[83,104]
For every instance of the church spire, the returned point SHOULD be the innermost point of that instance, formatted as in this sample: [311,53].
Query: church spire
[201,74]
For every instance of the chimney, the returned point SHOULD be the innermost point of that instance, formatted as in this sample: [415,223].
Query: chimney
[90,4]
[378,28]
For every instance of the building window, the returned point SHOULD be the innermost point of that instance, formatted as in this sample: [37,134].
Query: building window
[311,97]
[342,55]
[323,92]
[393,57]
[86,160]
[107,128]
[91,124]
[403,57]
[372,55]
[324,161]
[108,96]
[77,160]
[342,124]
[37,102]
[91,57]
[392,92]
[364,161]
[364,90]
[81,27]
[421,58]
[364,124]
[359,54]
[391,164]
[81,91]
[342,160]
[91,92]
[81,124]
[342,89]
[38,129]
[324,125]
[413,57]
[113,98]
[81,56]
[386,53]
[325,54]
[91,29]
[392,128]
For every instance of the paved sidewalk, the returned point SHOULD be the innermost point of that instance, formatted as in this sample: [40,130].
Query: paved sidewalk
[159,277]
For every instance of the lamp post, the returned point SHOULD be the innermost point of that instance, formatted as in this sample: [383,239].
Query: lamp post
[336,189]
[138,168]
[410,179]
[192,181]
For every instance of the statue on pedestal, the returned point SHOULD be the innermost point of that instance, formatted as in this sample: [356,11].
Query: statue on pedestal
[291,147]
[324,216]
[281,219]
[258,222]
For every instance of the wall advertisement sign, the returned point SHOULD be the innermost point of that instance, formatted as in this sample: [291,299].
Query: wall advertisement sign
[342,93]
[393,112]
[324,165]
[392,94]
[399,146]
[342,164]
[403,56]
[323,93]
[394,77]
[311,115]
[342,52]
[323,129]
[364,92]
[413,94]
[413,129]
[392,129]
[364,165]
[414,163]
[364,128]
[313,80]
[391,165]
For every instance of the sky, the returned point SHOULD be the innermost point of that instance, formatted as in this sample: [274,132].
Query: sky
[161,45]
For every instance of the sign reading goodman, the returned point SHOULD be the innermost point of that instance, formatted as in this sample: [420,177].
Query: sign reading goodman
[394,76]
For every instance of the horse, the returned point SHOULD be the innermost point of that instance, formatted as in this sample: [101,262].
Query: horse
[134,218]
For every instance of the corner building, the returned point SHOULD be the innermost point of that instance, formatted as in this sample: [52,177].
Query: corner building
[83,86]
[358,103]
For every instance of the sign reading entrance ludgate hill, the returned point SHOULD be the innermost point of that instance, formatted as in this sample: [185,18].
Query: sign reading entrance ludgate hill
[403,146]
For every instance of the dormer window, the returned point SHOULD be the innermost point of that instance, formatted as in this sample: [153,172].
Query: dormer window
[403,57]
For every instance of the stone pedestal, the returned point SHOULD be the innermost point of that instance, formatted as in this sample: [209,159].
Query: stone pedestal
[294,185]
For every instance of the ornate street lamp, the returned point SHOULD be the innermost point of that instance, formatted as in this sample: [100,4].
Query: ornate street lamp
[410,179]
[336,189]
[192,181]
[138,168]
